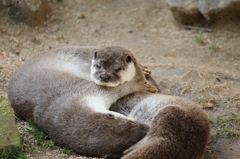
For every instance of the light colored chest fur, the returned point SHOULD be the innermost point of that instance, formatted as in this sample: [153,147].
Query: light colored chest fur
[145,110]
[99,102]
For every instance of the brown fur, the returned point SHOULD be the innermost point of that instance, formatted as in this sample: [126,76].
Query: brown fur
[56,90]
[112,62]
[39,71]
[178,127]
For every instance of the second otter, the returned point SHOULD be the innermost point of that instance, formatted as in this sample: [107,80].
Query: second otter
[178,127]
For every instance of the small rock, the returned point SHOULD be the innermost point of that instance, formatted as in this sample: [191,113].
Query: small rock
[36,41]
[17,52]
[62,23]
[192,12]
[96,30]
[81,16]
[9,135]
[33,12]
[130,31]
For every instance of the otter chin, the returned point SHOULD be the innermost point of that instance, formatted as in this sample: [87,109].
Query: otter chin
[106,84]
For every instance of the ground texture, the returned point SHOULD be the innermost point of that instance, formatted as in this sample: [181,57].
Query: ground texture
[202,66]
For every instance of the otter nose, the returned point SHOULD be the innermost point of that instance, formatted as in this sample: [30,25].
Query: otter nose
[104,77]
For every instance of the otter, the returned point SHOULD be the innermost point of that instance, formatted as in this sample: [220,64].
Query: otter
[179,128]
[118,67]
[68,93]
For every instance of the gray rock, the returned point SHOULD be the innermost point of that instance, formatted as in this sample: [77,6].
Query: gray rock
[9,135]
[33,12]
[197,11]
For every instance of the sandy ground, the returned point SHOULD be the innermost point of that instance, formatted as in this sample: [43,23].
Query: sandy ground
[181,64]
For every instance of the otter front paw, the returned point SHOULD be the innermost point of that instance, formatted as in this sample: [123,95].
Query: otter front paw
[150,88]
[129,150]
[145,69]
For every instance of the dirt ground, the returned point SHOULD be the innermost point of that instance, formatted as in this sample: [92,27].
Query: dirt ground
[202,66]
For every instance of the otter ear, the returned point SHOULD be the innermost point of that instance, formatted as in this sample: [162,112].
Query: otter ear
[95,55]
[128,59]
[111,116]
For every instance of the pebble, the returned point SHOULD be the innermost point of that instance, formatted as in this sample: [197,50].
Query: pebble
[97,30]
[81,16]
[130,31]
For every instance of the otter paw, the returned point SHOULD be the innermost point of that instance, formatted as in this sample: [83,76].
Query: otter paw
[129,150]
[145,69]
[150,88]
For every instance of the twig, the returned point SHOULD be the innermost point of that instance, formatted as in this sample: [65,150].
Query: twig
[197,28]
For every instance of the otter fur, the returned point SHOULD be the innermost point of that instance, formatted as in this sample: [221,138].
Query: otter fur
[68,93]
[178,127]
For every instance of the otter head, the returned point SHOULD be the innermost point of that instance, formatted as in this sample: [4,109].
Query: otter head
[112,66]
[116,133]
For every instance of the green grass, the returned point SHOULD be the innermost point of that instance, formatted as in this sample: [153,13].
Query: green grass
[229,126]
[41,139]
[39,136]
[199,39]
[228,132]
[66,151]
[207,101]
[238,105]
[60,36]
[12,153]
[213,46]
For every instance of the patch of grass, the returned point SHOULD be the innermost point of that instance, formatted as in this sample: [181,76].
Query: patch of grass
[199,39]
[39,136]
[238,106]
[229,126]
[3,100]
[66,151]
[234,113]
[60,36]
[25,145]
[211,121]
[12,153]
[207,101]
[213,46]
[228,132]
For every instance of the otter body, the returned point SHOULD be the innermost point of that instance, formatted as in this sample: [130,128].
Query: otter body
[178,127]
[68,93]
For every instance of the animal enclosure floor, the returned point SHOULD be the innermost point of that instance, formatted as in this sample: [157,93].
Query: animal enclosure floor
[201,66]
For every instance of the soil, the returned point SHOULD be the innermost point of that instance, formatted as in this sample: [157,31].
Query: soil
[201,66]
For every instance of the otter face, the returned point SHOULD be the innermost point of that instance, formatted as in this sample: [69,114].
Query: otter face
[112,66]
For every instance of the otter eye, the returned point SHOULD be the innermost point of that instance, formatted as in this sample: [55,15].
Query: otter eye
[97,66]
[118,69]
[128,59]
[111,116]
